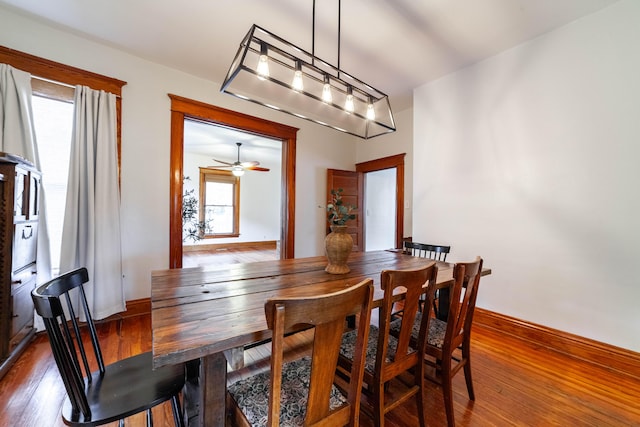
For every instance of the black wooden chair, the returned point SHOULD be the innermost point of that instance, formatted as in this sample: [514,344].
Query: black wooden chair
[112,392]
[426,250]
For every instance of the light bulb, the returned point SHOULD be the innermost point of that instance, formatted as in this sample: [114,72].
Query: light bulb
[371,113]
[326,91]
[348,103]
[297,83]
[237,170]
[263,63]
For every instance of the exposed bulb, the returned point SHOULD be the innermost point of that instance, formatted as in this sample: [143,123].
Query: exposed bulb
[263,64]
[371,113]
[327,96]
[348,104]
[297,83]
[237,170]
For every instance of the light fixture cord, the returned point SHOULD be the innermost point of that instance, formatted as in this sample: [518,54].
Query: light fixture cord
[339,22]
[313,35]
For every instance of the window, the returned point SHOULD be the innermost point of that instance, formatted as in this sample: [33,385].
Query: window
[53,85]
[219,203]
[53,120]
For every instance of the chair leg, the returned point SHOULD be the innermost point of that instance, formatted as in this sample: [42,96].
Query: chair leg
[467,372]
[177,411]
[447,391]
[420,396]
[378,405]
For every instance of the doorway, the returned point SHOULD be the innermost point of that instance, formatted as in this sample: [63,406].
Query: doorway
[395,165]
[380,209]
[229,217]
[183,108]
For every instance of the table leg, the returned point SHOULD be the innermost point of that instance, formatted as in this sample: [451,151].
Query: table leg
[205,391]
[443,304]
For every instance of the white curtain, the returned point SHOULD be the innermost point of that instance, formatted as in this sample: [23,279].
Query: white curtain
[91,231]
[18,136]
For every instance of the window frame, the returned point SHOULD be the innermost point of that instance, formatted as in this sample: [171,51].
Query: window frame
[225,177]
[49,78]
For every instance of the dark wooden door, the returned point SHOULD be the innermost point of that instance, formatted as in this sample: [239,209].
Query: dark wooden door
[352,184]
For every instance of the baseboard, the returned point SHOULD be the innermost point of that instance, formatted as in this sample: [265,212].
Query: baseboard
[605,355]
[137,307]
[263,245]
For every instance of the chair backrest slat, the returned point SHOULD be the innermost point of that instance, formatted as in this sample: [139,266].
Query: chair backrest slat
[65,335]
[427,250]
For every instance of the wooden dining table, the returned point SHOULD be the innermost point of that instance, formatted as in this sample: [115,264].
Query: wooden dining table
[205,316]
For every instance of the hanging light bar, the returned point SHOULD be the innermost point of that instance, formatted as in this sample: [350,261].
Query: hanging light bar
[272,72]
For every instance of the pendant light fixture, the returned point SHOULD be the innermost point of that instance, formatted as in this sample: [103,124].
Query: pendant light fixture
[275,73]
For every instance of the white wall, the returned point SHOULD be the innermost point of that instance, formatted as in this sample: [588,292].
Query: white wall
[530,159]
[146,143]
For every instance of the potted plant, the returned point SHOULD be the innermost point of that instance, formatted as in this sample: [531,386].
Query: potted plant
[339,213]
[338,244]
[192,228]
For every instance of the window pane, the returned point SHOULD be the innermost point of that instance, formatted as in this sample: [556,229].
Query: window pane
[219,208]
[219,193]
[53,121]
[220,219]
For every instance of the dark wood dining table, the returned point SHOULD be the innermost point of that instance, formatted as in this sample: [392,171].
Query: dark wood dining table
[205,316]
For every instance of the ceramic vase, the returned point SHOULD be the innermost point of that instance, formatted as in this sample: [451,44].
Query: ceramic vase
[338,245]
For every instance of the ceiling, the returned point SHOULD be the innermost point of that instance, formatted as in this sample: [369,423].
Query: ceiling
[217,142]
[392,45]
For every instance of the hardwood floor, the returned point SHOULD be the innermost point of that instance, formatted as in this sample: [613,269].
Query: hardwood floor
[516,384]
[228,256]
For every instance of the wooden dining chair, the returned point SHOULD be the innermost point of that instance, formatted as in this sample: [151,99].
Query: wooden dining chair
[113,391]
[389,357]
[448,344]
[302,392]
[435,252]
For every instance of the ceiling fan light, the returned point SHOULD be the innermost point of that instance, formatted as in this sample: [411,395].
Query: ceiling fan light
[237,170]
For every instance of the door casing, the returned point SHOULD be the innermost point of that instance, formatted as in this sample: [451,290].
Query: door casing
[182,108]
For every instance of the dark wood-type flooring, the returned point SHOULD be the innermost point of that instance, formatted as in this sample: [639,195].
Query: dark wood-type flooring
[516,384]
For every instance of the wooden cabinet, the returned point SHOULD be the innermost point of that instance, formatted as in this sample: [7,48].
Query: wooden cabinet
[19,209]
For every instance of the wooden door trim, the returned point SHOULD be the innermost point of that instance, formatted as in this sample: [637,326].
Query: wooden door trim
[182,108]
[396,161]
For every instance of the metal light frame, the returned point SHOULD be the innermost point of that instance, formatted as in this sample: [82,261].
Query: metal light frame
[276,90]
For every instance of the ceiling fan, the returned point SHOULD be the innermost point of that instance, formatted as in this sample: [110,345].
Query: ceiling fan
[238,167]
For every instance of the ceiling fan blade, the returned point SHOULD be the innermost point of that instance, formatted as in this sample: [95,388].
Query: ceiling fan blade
[219,166]
[249,164]
[257,168]
[223,162]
